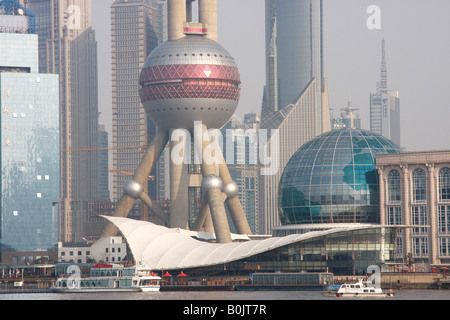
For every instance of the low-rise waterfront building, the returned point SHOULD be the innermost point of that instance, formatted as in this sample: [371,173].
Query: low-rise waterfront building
[342,251]
[106,250]
[415,190]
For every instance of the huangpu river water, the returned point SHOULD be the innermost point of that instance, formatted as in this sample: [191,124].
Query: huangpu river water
[278,305]
[221,295]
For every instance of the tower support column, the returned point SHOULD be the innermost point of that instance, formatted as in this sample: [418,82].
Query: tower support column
[179,180]
[233,203]
[135,187]
[176,12]
[212,185]
[208,16]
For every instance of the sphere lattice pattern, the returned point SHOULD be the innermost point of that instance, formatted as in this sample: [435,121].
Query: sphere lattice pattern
[187,80]
[332,179]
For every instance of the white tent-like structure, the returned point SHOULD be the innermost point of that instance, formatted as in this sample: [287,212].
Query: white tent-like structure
[161,248]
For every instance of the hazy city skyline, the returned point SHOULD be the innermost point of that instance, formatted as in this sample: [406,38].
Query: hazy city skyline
[417,48]
[372,207]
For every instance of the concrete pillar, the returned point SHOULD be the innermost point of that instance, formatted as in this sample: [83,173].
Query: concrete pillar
[382,195]
[208,15]
[153,207]
[179,182]
[135,187]
[233,203]
[213,193]
[406,200]
[176,15]
[208,226]
[204,210]
[433,246]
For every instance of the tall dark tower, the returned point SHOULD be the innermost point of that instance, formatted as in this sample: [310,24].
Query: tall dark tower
[294,48]
[189,84]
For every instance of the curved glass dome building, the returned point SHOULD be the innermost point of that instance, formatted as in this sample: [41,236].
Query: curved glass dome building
[332,179]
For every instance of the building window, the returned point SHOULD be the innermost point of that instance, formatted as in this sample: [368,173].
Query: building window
[394,187]
[419,188]
[444,185]
[419,218]
[444,247]
[420,247]
[399,245]
[444,220]
[394,215]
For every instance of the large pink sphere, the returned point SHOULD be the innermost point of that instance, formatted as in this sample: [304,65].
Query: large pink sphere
[188,80]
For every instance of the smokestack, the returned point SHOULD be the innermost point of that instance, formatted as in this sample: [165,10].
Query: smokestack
[208,16]
[176,11]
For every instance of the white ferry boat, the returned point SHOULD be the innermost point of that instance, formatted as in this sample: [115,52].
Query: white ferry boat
[110,278]
[359,289]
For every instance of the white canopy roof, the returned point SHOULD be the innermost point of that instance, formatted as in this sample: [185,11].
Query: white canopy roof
[161,248]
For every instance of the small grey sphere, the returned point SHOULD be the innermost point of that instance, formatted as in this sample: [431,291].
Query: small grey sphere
[211,182]
[231,190]
[133,189]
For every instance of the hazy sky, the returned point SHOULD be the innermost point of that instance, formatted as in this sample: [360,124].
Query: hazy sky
[417,34]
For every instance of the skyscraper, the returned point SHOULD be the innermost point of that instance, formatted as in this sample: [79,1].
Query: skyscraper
[30,152]
[385,106]
[348,119]
[103,163]
[137,27]
[295,101]
[294,49]
[242,163]
[67,47]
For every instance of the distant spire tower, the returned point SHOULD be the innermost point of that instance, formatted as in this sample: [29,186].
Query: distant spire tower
[382,85]
[385,105]
[273,62]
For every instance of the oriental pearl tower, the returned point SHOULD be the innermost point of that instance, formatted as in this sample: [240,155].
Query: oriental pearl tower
[187,80]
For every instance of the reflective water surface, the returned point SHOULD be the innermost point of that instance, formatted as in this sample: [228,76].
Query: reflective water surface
[222,295]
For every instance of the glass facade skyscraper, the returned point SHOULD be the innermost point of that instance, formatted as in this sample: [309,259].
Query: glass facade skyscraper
[295,102]
[29,161]
[294,31]
[30,150]
[67,47]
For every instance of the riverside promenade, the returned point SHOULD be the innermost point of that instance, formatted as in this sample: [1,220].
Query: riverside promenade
[407,280]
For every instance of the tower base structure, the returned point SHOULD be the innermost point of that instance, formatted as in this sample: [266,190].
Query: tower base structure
[217,188]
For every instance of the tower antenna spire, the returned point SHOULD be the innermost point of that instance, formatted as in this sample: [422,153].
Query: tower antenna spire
[382,85]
